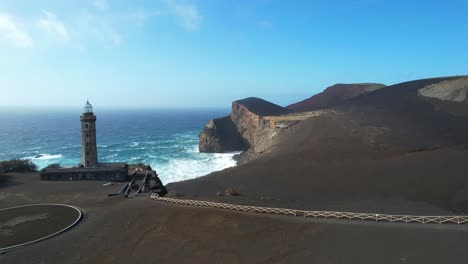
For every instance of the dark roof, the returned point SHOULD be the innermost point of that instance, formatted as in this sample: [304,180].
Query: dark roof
[102,167]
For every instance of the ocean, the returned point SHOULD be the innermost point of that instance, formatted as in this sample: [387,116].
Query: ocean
[165,139]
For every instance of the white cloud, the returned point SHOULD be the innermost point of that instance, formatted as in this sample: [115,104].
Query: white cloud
[11,32]
[101,4]
[97,28]
[50,23]
[187,13]
[142,15]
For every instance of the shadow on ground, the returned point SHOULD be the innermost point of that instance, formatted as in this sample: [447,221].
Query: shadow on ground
[7,180]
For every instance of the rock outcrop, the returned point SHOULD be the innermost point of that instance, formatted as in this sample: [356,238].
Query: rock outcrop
[245,128]
[221,135]
[334,95]
[455,90]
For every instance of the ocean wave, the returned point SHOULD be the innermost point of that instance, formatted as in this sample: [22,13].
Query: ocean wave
[29,152]
[36,148]
[135,144]
[70,146]
[44,157]
[193,149]
[181,169]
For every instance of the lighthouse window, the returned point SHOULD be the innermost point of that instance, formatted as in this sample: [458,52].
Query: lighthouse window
[87,143]
[87,135]
[86,125]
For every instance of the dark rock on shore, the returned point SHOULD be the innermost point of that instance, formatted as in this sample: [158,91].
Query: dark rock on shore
[221,135]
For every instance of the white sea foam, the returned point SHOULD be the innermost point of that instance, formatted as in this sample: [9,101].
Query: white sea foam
[44,157]
[189,168]
[135,144]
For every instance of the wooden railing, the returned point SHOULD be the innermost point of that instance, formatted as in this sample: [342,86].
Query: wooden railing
[449,219]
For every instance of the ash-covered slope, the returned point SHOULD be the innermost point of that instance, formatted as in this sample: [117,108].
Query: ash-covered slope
[261,107]
[391,150]
[333,96]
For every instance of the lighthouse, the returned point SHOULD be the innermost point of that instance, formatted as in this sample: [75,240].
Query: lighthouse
[89,157]
[91,169]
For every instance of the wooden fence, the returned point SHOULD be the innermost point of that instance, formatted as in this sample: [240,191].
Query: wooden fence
[449,219]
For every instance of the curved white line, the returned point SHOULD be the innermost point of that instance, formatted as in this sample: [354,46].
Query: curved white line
[78,219]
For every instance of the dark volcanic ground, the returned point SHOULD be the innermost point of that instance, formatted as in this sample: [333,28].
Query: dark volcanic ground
[118,230]
[29,223]
[388,151]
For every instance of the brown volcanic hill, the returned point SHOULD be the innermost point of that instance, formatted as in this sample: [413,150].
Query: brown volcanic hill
[333,96]
[262,107]
[393,150]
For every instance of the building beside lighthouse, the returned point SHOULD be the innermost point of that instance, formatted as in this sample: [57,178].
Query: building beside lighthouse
[90,168]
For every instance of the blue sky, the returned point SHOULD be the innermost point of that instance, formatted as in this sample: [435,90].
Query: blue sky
[207,53]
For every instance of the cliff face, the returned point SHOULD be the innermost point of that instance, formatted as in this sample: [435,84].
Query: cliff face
[221,135]
[254,124]
[244,129]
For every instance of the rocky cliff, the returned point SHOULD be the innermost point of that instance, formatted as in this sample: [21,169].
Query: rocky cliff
[254,124]
[221,135]
[246,128]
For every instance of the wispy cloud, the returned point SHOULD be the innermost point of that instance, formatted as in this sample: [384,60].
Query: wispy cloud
[51,24]
[187,13]
[141,16]
[101,4]
[12,33]
[95,27]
